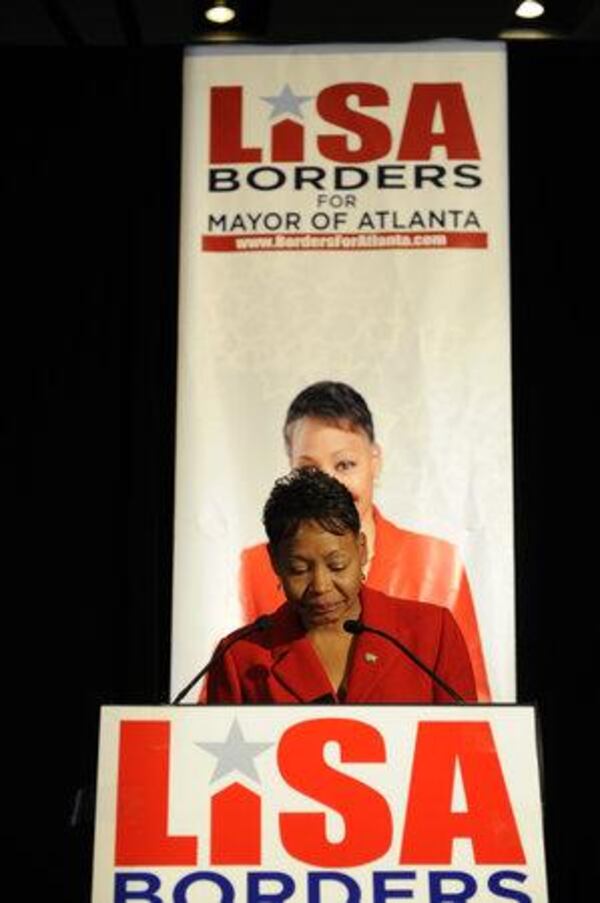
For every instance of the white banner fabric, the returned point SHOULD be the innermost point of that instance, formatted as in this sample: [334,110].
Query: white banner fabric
[345,218]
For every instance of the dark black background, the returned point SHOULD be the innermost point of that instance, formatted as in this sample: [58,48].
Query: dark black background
[90,152]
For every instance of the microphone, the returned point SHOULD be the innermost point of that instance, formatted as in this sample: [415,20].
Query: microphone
[356,627]
[260,624]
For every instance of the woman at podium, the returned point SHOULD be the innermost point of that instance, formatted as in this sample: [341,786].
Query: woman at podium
[330,426]
[334,639]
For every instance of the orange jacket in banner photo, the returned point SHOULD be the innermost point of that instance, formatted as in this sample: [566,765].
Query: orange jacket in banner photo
[405,565]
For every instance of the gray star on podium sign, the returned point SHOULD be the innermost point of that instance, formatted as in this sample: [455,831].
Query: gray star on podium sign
[235,754]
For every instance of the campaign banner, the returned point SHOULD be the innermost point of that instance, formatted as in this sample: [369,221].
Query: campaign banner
[345,220]
[356,804]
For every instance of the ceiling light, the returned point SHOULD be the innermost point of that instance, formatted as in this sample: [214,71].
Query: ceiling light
[219,12]
[530,9]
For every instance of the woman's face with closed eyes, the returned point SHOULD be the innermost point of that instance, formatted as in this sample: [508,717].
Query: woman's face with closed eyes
[344,453]
[321,573]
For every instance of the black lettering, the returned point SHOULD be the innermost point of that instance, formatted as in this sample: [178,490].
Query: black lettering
[223,180]
[343,178]
[469,172]
[266,171]
[309,175]
[272,221]
[430,173]
[217,222]
[391,176]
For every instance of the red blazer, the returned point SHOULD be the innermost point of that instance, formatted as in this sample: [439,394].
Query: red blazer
[280,664]
[405,565]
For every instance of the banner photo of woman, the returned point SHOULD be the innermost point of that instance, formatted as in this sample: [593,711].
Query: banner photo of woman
[344,305]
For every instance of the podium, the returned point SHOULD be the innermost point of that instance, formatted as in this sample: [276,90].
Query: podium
[318,804]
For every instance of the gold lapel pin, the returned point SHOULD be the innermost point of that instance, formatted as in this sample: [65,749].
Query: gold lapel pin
[370,657]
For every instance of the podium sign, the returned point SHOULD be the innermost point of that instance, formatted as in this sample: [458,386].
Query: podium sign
[318,804]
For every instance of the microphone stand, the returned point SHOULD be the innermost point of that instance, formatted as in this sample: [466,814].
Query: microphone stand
[260,624]
[356,627]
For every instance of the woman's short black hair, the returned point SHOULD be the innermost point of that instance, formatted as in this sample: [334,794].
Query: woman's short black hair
[333,401]
[308,494]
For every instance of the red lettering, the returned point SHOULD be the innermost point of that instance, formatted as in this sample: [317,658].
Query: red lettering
[287,142]
[226,128]
[418,137]
[375,137]
[235,827]
[430,825]
[143,799]
[367,819]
